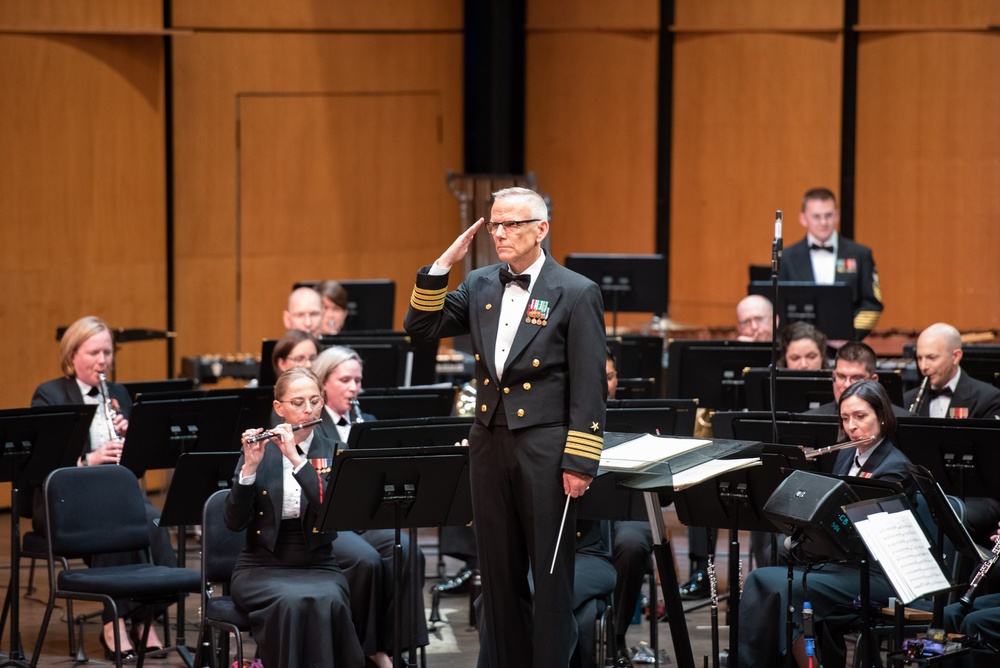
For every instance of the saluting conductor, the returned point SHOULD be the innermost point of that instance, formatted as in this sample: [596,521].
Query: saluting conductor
[537,332]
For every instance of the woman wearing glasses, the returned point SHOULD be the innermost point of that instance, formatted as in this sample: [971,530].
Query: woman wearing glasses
[294,348]
[365,556]
[287,578]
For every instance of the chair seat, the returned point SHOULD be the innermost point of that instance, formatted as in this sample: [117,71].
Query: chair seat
[222,609]
[146,580]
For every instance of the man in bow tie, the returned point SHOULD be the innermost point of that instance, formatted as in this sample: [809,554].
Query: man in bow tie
[950,392]
[824,257]
[537,332]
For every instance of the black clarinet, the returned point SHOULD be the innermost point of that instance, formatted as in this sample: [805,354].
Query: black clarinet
[984,568]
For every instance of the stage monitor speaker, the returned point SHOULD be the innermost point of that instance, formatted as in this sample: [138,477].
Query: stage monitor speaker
[811,506]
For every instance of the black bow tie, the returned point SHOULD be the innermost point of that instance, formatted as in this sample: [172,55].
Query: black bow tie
[524,280]
[943,392]
[813,247]
[93,392]
[342,422]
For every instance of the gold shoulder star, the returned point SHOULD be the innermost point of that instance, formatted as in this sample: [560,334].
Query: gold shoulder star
[594,427]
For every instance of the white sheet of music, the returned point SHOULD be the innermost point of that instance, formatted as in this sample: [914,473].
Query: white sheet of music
[899,545]
[647,449]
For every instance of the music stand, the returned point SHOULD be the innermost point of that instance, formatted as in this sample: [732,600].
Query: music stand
[629,283]
[370,303]
[796,390]
[961,455]
[196,477]
[400,403]
[35,442]
[160,430]
[735,501]
[712,371]
[829,308]
[655,479]
[389,487]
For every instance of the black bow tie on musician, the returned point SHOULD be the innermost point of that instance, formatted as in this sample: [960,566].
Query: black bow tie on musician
[817,247]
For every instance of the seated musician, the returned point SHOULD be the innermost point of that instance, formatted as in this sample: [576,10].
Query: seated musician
[295,348]
[287,578]
[802,347]
[950,392]
[865,411]
[854,362]
[365,556]
[334,307]
[86,352]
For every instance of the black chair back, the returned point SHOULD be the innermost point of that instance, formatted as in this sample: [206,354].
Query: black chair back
[220,545]
[95,510]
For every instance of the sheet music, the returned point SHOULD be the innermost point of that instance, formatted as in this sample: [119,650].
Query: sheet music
[709,470]
[898,543]
[645,450]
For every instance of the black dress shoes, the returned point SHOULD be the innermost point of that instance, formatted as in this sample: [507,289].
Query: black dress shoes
[109,654]
[622,660]
[696,587]
[457,585]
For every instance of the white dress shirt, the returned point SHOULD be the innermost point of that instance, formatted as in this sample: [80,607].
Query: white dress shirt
[824,263]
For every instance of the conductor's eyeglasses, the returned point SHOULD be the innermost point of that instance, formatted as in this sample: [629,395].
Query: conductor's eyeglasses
[509,225]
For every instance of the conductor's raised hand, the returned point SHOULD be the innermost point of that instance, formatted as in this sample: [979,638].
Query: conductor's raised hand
[458,249]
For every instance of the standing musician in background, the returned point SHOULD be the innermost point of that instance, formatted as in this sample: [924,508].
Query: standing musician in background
[365,556]
[86,353]
[824,257]
[537,332]
[287,578]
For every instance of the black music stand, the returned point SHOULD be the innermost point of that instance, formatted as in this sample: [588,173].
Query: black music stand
[830,308]
[197,476]
[629,283]
[392,487]
[160,430]
[735,501]
[653,480]
[962,455]
[35,442]
[401,403]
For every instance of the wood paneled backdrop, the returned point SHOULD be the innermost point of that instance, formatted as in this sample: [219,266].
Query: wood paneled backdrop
[310,141]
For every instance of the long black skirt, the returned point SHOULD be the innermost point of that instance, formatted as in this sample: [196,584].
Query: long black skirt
[298,604]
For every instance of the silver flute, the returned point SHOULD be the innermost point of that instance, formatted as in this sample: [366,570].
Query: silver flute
[984,568]
[357,411]
[264,435]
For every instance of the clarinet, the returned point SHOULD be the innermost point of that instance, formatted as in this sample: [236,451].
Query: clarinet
[110,412]
[357,411]
[984,568]
[919,399]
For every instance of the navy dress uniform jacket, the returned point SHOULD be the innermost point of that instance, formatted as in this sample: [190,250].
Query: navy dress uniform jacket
[855,267]
[555,372]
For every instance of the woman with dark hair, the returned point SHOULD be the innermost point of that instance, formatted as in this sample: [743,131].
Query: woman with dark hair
[802,347]
[865,410]
[334,306]
[287,578]
[295,348]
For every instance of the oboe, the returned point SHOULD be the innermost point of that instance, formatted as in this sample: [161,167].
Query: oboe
[919,399]
[357,411]
[264,435]
[984,568]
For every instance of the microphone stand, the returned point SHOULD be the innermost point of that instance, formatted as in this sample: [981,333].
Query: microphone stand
[775,266]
